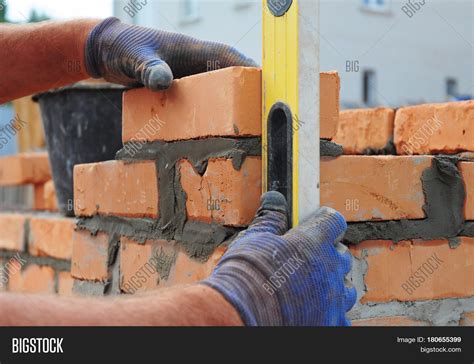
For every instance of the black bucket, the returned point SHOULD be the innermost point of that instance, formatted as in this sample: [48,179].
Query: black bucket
[82,124]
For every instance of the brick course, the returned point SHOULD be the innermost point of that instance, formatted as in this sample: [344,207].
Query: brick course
[51,237]
[435,128]
[90,256]
[32,279]
[116,188]
[25,168]
[12,227]
[217,195]
[374,187]
[417,270]
[364,130]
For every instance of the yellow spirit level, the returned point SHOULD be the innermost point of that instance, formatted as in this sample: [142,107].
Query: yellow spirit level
[290,124]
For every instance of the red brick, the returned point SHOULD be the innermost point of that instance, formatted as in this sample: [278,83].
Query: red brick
[32,279]
[389,321]
[116,188]
[136,275]
[45,196]
[49,196]
[435,128]
[51,237]
[362,129]
[467,173]
[329,103]
[65,283]
[226,102]
[25,168]
[391,265]
[12,236]
[39,203]
[90,256]
[467,319]
[138,267]
[374,187]
[223,194]
[189,270]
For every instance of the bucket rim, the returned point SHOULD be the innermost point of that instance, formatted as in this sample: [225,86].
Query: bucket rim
[82,85]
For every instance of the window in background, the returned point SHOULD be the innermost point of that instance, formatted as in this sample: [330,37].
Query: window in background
[190,11]
[451,87]
[369,88]
[242,4]
[377,6]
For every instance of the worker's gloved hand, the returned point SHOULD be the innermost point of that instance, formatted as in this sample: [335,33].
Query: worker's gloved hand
[275,277]
[132,55]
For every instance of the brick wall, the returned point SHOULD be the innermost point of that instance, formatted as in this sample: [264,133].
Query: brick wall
[35,241]
[25,182]
[406,185]
[35,253]
[186,181]
[189,178]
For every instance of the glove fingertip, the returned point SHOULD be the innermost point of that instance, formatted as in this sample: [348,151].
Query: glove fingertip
[159,77]
[274,201]
[346,259]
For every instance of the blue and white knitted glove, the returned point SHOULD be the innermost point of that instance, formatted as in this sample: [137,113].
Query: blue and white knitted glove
[296,278]
[132,55]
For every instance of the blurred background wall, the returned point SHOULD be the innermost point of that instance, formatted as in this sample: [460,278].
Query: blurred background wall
[386,52]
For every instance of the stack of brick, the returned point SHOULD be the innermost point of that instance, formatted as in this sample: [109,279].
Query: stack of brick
[35,246]
[187,179]
[35,253]
[28,176]
[406,185]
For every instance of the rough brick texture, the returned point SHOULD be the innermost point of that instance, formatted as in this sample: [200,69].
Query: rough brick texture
[329,104]
[39,203]
[51,237]
[90,256]
[139,265]
[467,172]
[361,131]
[42,268]
[50,202]
[217,195]
[161,263]
[45,197]
[116,188]
[435,128]
[188,270]
[12,228]
[32,279]
[374,187]
[417,270]
[25,168]
[226,102]
[65,284]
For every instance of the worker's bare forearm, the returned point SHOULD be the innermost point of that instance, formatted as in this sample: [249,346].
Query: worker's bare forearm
[181,306]
[40,56]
